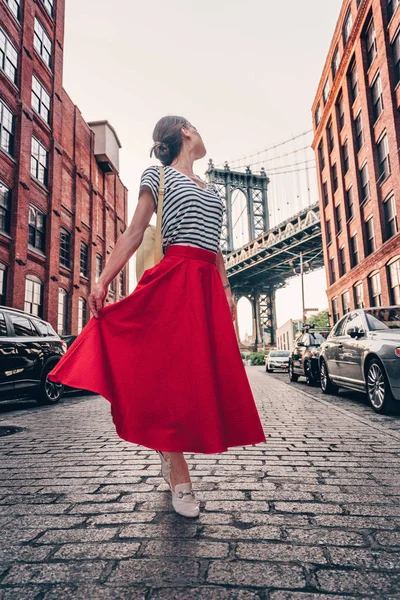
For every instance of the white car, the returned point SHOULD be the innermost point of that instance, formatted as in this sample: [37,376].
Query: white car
[277,359]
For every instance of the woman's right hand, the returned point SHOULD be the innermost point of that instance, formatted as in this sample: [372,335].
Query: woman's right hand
[97,297]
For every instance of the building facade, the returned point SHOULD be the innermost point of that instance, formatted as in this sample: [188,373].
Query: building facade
[357,142]
[62,203]
[287,333]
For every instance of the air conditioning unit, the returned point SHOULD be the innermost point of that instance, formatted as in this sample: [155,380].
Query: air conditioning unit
[106,146]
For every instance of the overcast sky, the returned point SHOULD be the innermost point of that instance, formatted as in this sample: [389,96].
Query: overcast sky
[244,73]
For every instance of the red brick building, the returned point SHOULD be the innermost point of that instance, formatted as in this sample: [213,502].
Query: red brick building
[357,142]
[62,204]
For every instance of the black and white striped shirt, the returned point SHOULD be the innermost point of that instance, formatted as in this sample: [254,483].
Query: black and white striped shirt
[192,215]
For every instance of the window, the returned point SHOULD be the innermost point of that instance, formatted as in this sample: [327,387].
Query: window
[370,42]
[345,156]
[3,326]
[84,260]
[349,201]
[376,95]
[342,259]
[49,6]
[39,162]
[5,208]
[326,91]
[99,265]
[383,158]
[375,289]
[353,81]
[82,313]
[335,310]
[329,133]
[347,26]
[364,177]
[328,232]
[354,255]
[36,228]
[40,100]
[321,156]
[15,7]
[7,129]
[359,132]
[359,295]
[334,178]
[65,248]
[335,63]
[332,270]
[370,236]
[122,284]
[346,302]
[3,283]
[42,43]
[392,6]
[8,57]
[62,315]
[325,193]
[354,320]
[389,211]
[396,57]
[22,326]
[45,329]
[318,115]
[112,287]
[33,296]
[338,218]
[394,281]
[340,112]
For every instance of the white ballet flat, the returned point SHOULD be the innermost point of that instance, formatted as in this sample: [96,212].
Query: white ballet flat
[165,467]
[184,501]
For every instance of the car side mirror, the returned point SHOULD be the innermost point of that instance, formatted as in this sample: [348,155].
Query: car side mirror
[300,344]
[354,332]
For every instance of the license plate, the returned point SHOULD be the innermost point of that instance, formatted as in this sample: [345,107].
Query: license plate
[283,366]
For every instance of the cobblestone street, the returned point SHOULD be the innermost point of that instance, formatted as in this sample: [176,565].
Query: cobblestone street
[312,513]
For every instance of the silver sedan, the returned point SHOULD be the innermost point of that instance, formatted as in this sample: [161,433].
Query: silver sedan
[362,352]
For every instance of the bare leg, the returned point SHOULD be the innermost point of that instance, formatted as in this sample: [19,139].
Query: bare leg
[179,470]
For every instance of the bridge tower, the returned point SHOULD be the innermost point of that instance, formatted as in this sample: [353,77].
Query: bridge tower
[250,191]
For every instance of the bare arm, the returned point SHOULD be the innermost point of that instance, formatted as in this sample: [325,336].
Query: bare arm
[126,246]
[224,278]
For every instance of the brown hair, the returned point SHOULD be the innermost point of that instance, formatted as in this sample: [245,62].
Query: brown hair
[167,136]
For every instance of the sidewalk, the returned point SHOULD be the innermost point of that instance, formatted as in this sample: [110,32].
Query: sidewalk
[312,513]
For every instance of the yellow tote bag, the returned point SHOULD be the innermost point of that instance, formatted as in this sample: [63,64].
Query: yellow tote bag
[150,251]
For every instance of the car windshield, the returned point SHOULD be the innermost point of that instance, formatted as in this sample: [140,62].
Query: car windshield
[380,319]
[279,353]
[318,338]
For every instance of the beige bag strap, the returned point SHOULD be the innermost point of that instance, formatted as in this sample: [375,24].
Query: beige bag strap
[158,245]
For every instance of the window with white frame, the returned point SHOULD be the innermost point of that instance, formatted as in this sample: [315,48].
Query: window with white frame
[394,279]
[82,313]
[359,295]
[335,310]
[8,57]
[42,43]
[364,178]
[40,100]
[7,129]
[62,314]
[383,158]
[327,90]
[5,208]
[39,162]
[389,211]
[37,228]
[49,6]
[335,62]
[396,56]
[33,296]
[15,7]
[346,302]
[377,98]
[392,6]
[370,236]
[3,283]
[375,289]
[347,26]
[370,42]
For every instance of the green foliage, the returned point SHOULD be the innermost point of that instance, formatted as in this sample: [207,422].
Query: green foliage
[257,358]
[321,319]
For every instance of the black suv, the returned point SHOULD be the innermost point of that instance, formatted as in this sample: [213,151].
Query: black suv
[303,359]
[29,349]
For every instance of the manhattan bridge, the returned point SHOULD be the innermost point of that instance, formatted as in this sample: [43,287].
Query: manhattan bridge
[272,216]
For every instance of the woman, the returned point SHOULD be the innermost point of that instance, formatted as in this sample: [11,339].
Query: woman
[166,356]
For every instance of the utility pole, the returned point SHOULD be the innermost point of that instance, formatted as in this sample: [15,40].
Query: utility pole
[302,289]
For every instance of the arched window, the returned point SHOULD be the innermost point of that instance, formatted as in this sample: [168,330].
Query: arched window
[62,315]
[82,313]
[33,296]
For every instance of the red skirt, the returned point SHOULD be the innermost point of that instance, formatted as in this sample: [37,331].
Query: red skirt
[167,359]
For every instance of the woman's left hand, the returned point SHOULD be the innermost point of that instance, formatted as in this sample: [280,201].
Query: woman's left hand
[231,303]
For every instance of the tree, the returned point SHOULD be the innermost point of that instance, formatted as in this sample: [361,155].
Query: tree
[321,319]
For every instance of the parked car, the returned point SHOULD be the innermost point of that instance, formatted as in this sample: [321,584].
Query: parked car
[303,359]
[29,349]
[362,352]
[277,359]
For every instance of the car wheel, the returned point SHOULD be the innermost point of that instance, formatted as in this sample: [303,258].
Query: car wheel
[310,379]
[292,375]
[49,392]
[379,393]
[269,370]
[326,384]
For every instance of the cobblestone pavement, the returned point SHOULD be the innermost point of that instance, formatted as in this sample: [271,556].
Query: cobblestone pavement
[312,513]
